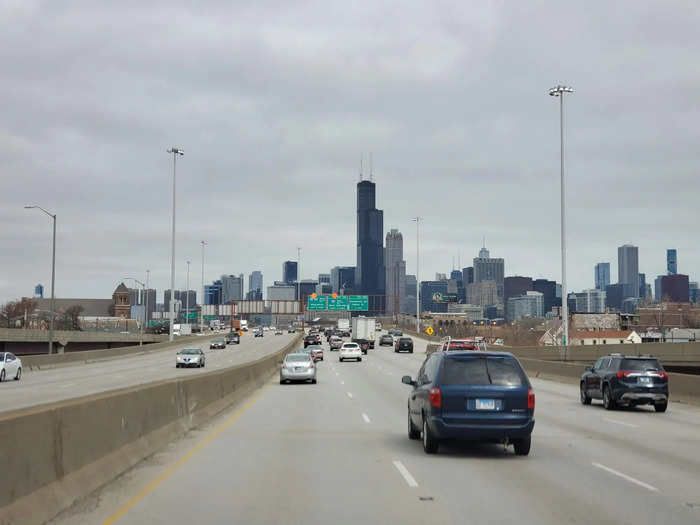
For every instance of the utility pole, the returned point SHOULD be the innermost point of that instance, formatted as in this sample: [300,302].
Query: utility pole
[417,220]
[201,316]
[187,299]
[175,151]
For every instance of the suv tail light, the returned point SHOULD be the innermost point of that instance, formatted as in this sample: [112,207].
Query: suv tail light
[435,396]
[663,375]
[622,375]
[530,399]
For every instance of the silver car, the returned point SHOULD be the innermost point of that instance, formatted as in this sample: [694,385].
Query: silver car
[298,367]
[10,366]
[190,357]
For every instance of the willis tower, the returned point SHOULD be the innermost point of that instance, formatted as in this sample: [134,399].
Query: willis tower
[370,272]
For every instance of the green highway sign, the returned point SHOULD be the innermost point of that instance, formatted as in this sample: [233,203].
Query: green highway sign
[319,303]
[340,303]
[192,315]
[359,303]
[210,316]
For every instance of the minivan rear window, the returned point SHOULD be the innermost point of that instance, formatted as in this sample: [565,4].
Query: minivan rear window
[482,371]
[640,365]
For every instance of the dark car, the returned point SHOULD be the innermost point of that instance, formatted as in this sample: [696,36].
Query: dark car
[291,330]
[232,338]
[626,380]
[386,340]
[311,339]
[259,333]
[404,344]
[481,396]
[217,343]
[395,332]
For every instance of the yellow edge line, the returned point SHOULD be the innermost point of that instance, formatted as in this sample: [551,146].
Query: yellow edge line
[170,470]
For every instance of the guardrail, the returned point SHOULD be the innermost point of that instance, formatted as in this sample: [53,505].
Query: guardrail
[60,452]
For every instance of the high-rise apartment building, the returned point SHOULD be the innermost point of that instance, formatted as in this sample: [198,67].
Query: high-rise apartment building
[231,288]
[487,268]
[467,275]
[628,270]
[369,272]
[515,286]
[548,289]
[602,275]
[255,281]
[642,285]
[589,301]
[531,304]
[672,261]
[324,278]
[395,272]
[484,293]
[289,272]
[342,278]
[409,303]
[212,292]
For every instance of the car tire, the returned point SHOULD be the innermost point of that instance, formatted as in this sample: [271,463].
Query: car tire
[661,407]
[340,359]
[281,381]
[413,432]
[608,401]
[430,443]
[19,374]
[410,351]
[585,398]
[2,376]
[522,446]
[313,381]
[177,365]
[359,359]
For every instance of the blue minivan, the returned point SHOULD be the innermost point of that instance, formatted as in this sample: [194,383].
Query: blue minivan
[468,395]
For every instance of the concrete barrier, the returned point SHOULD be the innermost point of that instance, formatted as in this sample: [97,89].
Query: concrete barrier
[55,454]
[42,361]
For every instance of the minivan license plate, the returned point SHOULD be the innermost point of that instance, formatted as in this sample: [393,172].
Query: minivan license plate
[485,404]
[645,380]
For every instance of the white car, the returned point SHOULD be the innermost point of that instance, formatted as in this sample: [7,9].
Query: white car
[350,351]
[10,366]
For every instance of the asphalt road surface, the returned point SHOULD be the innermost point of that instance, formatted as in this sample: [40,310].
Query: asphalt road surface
[337,452]
[56,384]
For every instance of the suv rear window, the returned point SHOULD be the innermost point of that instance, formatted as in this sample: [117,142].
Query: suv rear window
[405,340]
[500,371]
[640,365]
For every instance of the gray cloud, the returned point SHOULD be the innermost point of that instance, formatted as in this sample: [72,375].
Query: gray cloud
[273,103]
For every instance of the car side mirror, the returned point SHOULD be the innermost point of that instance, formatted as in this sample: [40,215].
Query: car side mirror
[589,369]
[408,381]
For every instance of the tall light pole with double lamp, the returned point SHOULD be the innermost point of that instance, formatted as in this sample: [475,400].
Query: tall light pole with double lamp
[175,151]
[187,299]
[417,220]
[558,91]
[53,273]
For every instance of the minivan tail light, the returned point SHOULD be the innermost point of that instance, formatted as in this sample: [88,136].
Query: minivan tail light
[435,396]
[530,399]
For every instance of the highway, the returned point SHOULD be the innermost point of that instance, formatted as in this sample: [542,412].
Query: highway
[337,452]
[57,384]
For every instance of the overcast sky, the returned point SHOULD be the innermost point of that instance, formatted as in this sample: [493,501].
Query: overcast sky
[274,102]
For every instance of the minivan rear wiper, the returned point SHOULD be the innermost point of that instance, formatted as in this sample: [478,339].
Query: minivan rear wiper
[486,363]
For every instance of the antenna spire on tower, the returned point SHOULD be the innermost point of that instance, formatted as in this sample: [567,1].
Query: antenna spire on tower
[371,171]
[361,159]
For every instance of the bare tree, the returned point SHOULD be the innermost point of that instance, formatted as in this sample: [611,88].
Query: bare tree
[13,311]
[72,315]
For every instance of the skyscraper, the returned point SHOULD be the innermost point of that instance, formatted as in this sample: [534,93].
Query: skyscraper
[675,288]
[289,272]
[342,278]
[515,286]
[395,272]
[628,270]
[549,291]
[369,273]
[672,261]
[231,288]
[642,285]
[602,275]
[467,275]
[489,269]
[255,281]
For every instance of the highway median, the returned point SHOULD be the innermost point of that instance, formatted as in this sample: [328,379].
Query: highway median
[63,451]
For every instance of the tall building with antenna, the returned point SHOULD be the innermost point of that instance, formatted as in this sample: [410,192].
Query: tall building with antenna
[370,278]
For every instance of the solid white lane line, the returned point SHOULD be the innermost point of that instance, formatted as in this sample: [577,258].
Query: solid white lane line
[349,395]
[366,418]
[342,382]
[626,477]
[620,423]
[406,474]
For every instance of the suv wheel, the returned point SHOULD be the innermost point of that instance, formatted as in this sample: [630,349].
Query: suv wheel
[522,446]
[413,433]
[585,398]
[430,442]
[608,402]
[661,407]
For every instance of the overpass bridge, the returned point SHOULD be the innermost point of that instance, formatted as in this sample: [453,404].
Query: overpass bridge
[25,342]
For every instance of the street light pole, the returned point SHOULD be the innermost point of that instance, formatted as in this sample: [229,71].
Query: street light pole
[558,91]
[417,220]
[187,292]
[53,273]
[175,151]
[201,307]
[145,301]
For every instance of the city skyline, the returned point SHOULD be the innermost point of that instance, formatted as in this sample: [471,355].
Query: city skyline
[67,164]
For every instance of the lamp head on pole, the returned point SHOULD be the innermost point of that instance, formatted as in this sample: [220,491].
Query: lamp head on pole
[559,90]
[176,150]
